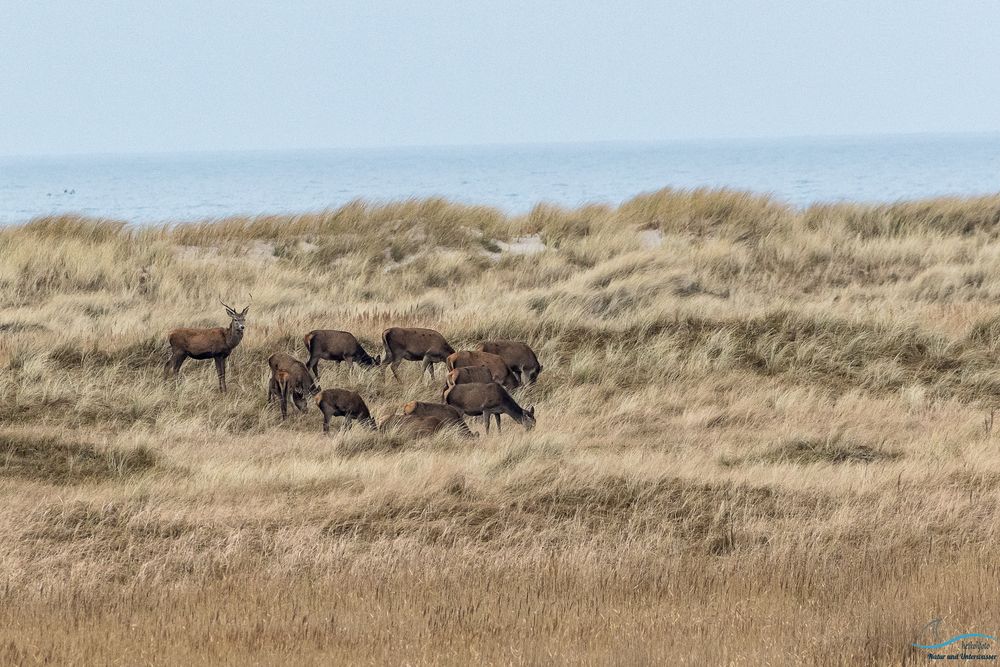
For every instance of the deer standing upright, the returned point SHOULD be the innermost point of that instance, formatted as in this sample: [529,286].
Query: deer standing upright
[414,344]
[215,343]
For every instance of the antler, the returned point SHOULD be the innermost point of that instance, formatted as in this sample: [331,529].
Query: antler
[225,304]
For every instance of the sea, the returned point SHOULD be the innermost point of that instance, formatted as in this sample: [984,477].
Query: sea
[157,188]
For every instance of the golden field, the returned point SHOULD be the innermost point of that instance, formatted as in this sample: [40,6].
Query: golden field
[764,437]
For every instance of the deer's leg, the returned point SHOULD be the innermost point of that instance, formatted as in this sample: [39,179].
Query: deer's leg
[497,415]
[428,364]
[393,366]
[348,422]
[173,364]
[284,400]
[387,360]
[326,422]
[313,366]
[220,368]
[486,420]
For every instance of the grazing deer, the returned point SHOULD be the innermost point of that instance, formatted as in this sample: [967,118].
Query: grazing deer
[497,366]
[343,403]
[290,377]
[445,413]
[216,343]
[466,375]
[518,356]
[336,346]
[414,425]
[411,344]
[469,375]
[488,399]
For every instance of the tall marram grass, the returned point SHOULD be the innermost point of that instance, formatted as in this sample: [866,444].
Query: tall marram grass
[765,436]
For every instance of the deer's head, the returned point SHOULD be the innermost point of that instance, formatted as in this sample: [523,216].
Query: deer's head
[238,317]
[529,418]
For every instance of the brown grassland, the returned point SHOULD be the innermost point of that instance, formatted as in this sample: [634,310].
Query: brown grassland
[763,437]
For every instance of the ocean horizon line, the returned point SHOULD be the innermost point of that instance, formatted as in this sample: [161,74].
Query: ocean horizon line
[529,144]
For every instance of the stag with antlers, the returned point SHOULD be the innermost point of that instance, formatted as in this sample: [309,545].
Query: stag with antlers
[215,343]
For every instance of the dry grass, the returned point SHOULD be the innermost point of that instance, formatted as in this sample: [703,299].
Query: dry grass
[762,441]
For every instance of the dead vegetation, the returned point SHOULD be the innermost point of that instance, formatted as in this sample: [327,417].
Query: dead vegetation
[764,436]
[56,461]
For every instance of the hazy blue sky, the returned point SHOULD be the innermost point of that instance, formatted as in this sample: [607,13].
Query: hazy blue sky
[202,75]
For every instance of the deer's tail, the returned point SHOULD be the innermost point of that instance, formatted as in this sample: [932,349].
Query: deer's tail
[387,355]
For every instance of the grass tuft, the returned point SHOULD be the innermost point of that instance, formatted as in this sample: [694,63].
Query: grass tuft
[57,461]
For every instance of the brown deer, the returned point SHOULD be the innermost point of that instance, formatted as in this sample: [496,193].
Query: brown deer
[338,346]
[414,425]
[343,403]
[488,399]
[496,365]
[445,413]
[216,343]
[518,356]
[469,375]
[412,344]
[466,375]
[290,377]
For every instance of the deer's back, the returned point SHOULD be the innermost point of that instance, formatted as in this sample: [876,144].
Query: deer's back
[514,353]
[473,398]
[279,361]
[198,342]
[439,410]
[294,370]
[343,400]
[331,341]
[415,340]
[498,368]
[470,374]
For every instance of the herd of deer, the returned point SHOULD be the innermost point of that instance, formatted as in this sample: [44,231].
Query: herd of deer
[477,382]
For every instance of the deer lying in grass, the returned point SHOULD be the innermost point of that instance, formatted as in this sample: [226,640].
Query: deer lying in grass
[518,356]
[445,413]
[418,427]
[498,368]
[338,346]
[488,399]
[343,403]
[412,344]
[216,343]
[290,378]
